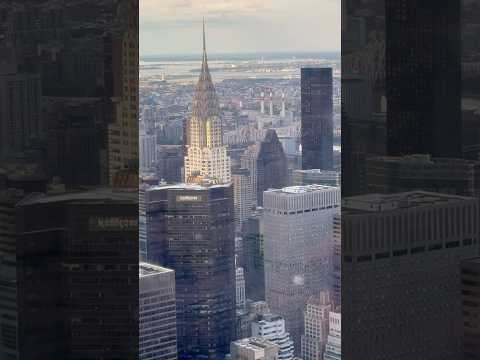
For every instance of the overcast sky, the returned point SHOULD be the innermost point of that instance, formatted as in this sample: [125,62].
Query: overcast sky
[237,26]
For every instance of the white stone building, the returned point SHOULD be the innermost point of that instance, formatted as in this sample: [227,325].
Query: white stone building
[157,313]
[315,334]
[272,328]
[297,226]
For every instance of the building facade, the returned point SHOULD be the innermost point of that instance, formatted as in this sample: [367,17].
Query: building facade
[391,174]
[243,196]
[423,55]
[297,225]
[316,176]
[123,134]
[470,273]
[169,164]
[240,288]
[157,313]
[333,348]
[191,230]
[317,118]
[253,349]
[408,247]
[267,164]
[271,327]
[253,258]
[272,167]
[20,115]
[316,318]
[83,247]
[148,151]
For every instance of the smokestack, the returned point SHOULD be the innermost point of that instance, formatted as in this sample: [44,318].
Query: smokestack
[262,103]
[271,104]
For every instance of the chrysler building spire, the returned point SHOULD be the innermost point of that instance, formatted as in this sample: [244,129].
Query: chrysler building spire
[204,44]
[206,155]
[205,103]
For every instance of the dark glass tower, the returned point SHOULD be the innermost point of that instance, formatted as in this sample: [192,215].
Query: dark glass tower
[191,230]
[423,77]
[272,167]
[253,262]
[317,118]
[77,275]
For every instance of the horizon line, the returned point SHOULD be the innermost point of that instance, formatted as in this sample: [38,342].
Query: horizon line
[338,51]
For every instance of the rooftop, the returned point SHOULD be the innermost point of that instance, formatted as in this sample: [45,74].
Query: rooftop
[302,189]
[187,186]
[319,171]
[146,269]
[270,318]
[255,343]
[89,195]
[424,159]
[389,202]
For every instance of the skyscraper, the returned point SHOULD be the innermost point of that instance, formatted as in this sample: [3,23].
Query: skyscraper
[423,77]
[333,348]
[206,155]
[20,115]
[271,327]
[317,118]
[243,195]
[267,164]
[408,247]
[253,263]
[297,225]
[148,151]
[77,275]
[271,165]
[123,133]
[316,317]
[470,276]
[336,277]
[191,230]
[248,160]
[170,163]
[239,288]
[157,315]
[8,274]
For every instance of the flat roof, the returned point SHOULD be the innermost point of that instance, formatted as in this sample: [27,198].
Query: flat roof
[93,195]
[369,203]
[255,343]
[302,189]
[185,186]
[318,171]
[423,159]
[146,269]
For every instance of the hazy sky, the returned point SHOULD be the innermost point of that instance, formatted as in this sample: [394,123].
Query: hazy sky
[174,26]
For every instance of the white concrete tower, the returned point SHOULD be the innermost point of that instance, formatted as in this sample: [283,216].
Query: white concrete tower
[297,227]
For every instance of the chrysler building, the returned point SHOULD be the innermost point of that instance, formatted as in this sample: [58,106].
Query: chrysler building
[206,157]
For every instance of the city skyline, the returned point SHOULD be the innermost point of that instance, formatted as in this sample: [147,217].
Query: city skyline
[173,27]
[240,189]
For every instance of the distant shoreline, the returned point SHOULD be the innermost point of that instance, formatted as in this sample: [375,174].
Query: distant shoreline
[328,55]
